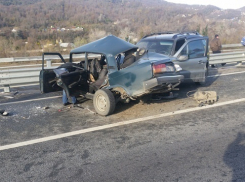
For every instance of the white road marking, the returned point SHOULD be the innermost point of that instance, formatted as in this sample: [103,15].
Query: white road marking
[31,100]
[88,130]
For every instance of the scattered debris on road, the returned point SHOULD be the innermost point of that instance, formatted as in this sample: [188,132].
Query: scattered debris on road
[4,113]
[169,95]
[9,97]
[26,117]
[78,105]
[16,93]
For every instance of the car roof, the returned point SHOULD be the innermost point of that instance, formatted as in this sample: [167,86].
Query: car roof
[109,45]
[172,35]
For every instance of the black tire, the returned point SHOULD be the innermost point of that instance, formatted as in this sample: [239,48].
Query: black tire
[104,102]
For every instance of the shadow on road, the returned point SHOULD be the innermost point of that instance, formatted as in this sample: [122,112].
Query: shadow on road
[189,87]
[234,157]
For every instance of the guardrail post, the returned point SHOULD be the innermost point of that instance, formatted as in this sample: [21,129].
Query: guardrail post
[49,63]
[6,88]
[239,63]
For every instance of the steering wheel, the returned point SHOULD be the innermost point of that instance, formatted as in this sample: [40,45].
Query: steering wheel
[118,60]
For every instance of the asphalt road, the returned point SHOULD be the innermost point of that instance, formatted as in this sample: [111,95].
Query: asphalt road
[167,140]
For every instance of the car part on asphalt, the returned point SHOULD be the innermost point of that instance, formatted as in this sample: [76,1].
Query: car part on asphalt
[205,97]
[4,113]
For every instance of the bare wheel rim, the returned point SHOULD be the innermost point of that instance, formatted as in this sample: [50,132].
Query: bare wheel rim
[101,102]
[104,102]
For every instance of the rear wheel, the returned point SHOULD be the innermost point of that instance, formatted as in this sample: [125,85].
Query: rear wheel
[104,102]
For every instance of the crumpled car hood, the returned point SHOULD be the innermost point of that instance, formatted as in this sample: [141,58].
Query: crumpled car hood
[110,45]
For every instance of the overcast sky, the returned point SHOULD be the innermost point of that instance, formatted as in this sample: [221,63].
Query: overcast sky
[227,4]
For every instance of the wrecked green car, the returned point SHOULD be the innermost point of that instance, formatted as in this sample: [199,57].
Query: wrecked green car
[110,70]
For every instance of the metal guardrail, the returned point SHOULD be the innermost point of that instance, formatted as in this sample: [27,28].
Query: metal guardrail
[26,59]
[13,77]
[17,75]
[232,45]
[227,57]
[38,58]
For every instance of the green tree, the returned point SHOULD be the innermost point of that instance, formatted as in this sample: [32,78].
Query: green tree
[205,31]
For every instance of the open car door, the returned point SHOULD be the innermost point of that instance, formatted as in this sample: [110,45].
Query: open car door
[71,77]
[47,77]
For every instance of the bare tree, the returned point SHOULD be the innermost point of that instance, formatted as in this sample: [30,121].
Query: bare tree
[96,34]
[4,47]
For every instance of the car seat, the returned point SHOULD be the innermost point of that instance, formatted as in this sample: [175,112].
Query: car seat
[94,69]
[94,86]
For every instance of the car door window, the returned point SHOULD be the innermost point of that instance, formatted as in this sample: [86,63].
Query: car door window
[194,49]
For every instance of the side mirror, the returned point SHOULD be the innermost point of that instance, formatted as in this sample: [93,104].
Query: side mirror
[182,58]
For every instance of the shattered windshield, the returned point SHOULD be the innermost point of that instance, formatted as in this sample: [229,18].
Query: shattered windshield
[158,46]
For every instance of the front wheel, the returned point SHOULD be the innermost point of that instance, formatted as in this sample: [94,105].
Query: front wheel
[104,102]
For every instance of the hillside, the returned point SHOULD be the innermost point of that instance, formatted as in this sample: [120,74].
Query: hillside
[42,24]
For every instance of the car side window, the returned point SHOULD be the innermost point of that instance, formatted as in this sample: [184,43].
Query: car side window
[194,49]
